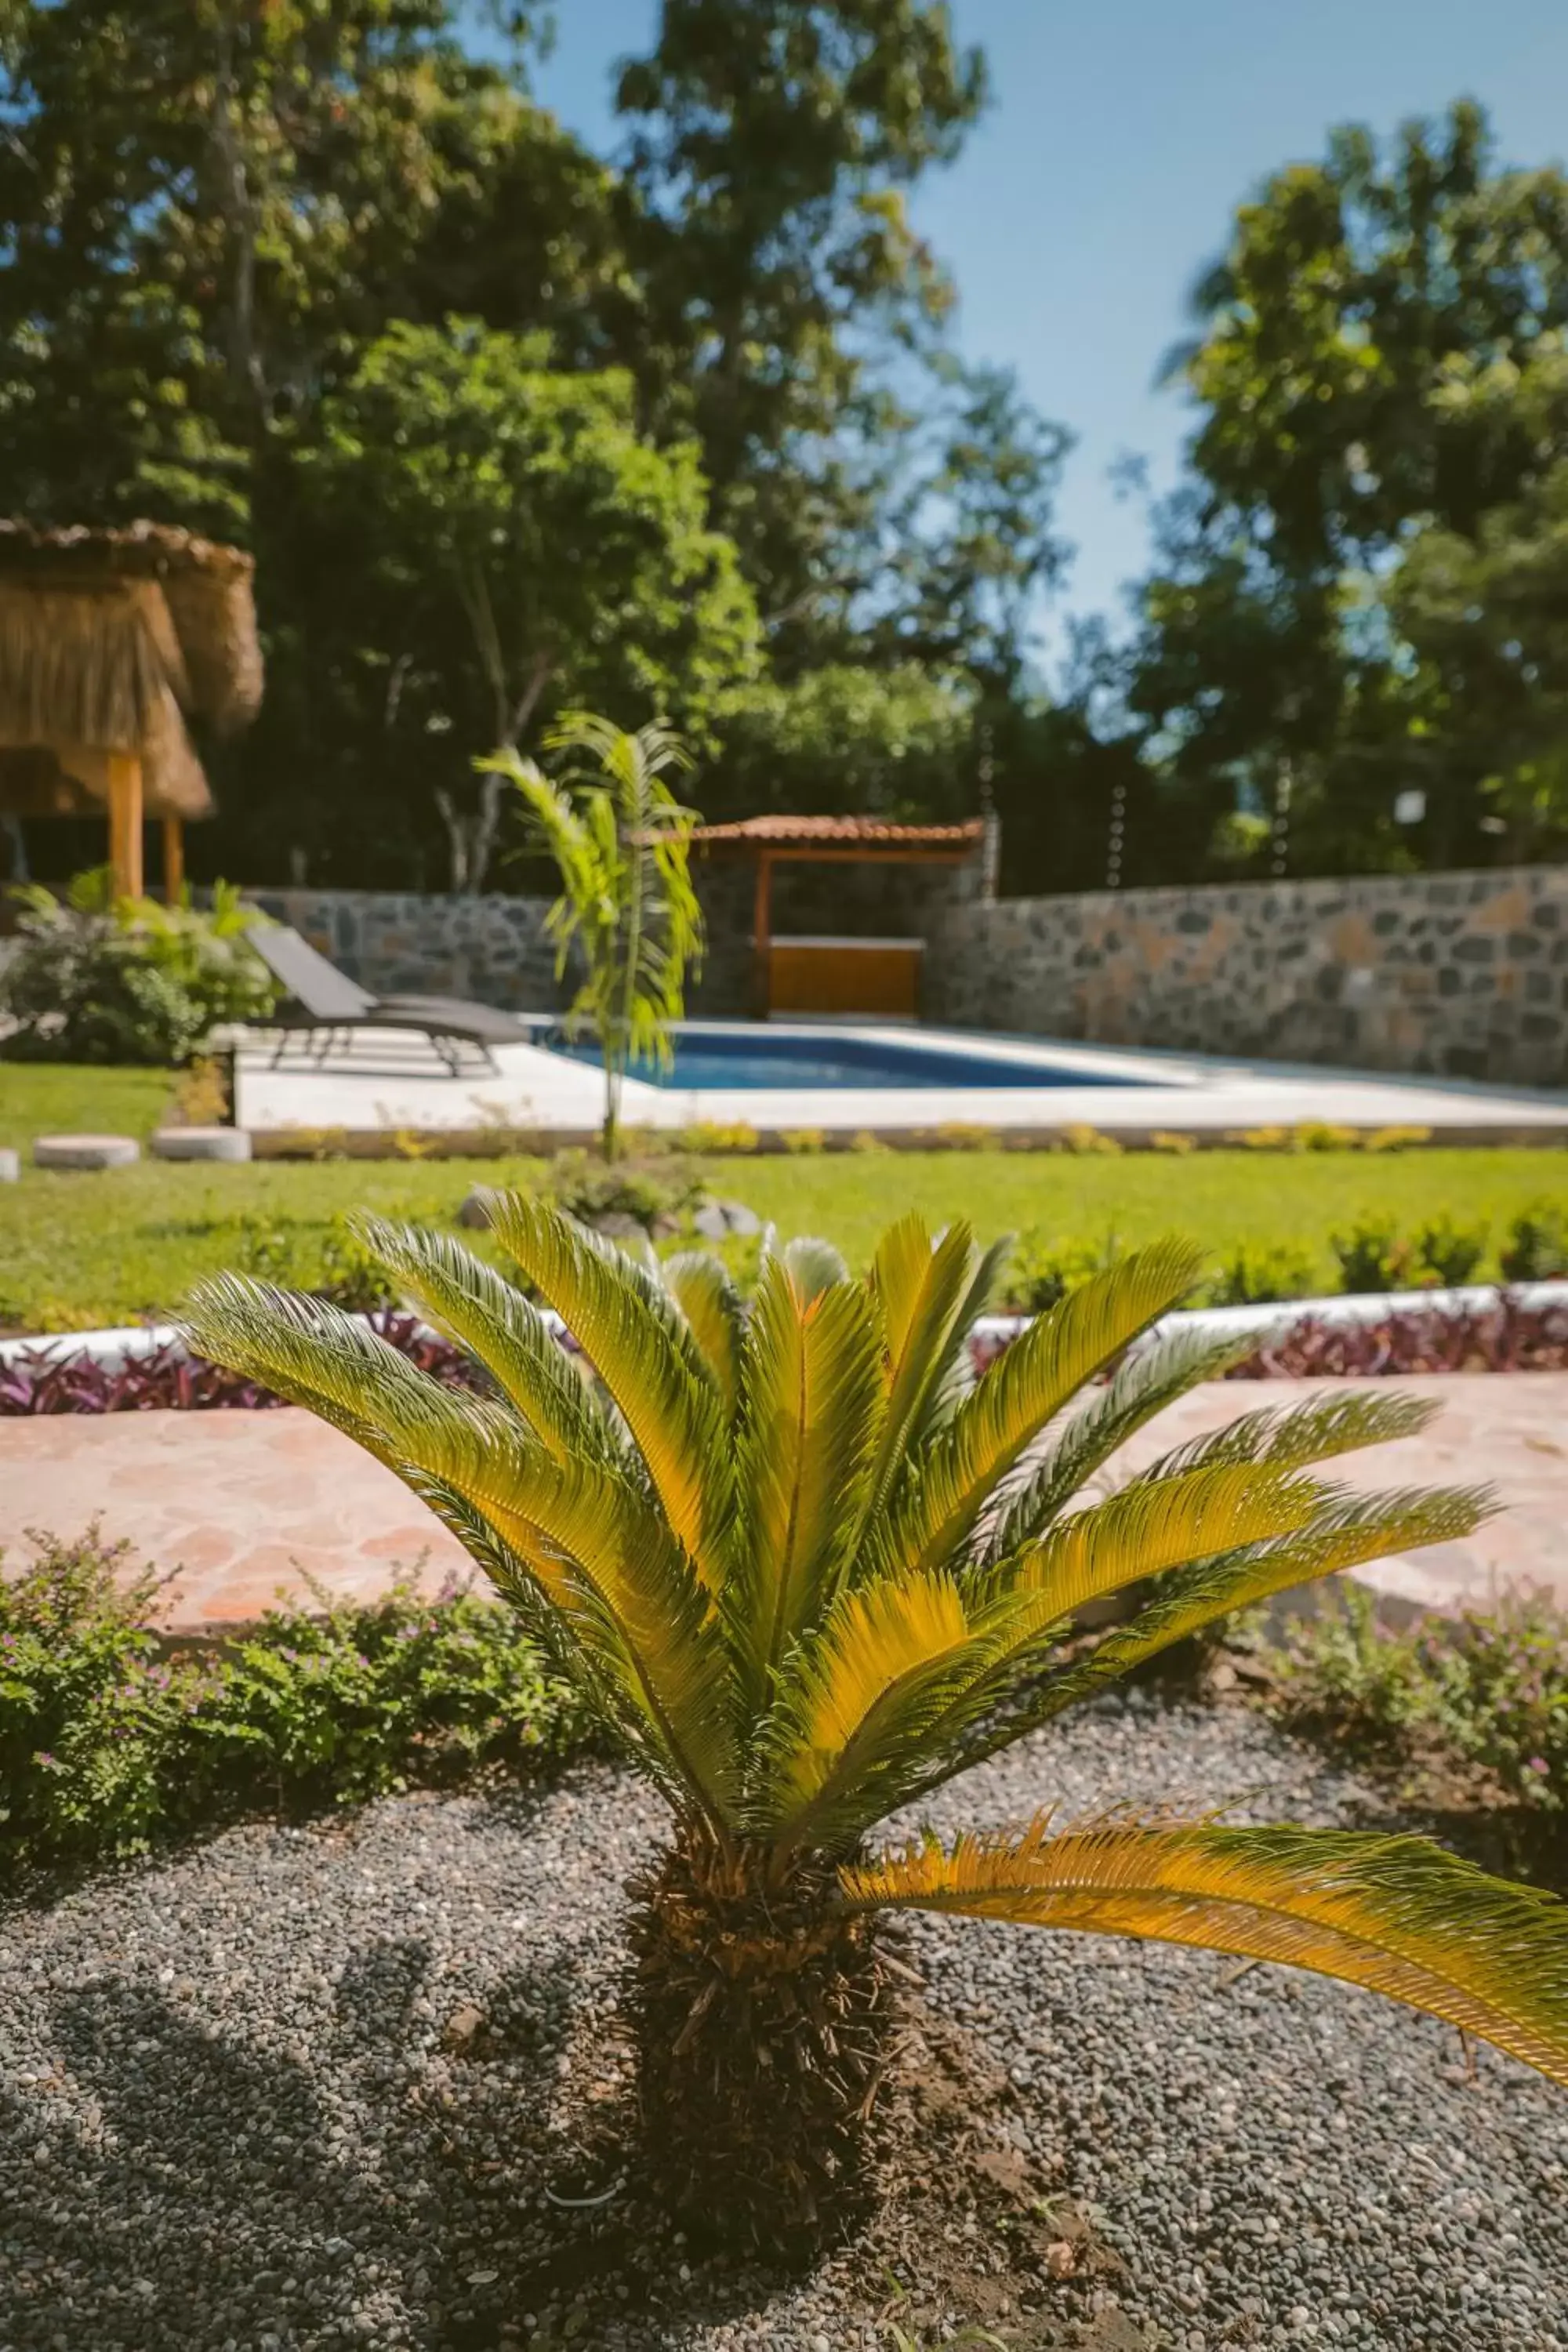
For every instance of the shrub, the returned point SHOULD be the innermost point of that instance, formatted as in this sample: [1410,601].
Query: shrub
[1537,1245]
[100,981]
[590,1188]
[1041,1270]
[1372,1257]
[1486,1689]
[1319,1135]
[109,1739]
[1258,1273]
[1448,1253]
[803,1140]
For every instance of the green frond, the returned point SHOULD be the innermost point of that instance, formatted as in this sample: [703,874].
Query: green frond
[591,1540]
[1152,1377]
[1147,1529]
[1287,1438]
[949,1482]
[856,1706]
[1349,1529]
[919,1287]
[811,1401]
[701,1286]
[490,1317]
[1396,1915]
[637,1342]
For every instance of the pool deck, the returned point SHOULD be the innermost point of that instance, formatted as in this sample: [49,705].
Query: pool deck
[246,1506]
[390,1081]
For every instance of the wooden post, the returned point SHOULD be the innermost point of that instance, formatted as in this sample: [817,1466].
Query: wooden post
[174,859]
[125,823]
[761,921]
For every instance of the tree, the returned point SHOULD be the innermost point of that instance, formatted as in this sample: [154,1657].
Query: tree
[621,842]
[896,742]
[771,143]
[1485,615]
[531,549]
[1355,297]
[797,1565]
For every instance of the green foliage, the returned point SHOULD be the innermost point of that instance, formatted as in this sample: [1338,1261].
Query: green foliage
[1537,1245]
[1488,1688]
[1357,595]
[1042,1268]
[1374,1255]
[621,842]
[128,981]
[111,1739]
[896,742]
[478,466]
[655,1193]
[1254,1277]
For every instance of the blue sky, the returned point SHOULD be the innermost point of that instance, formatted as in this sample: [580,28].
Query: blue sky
[1121,135]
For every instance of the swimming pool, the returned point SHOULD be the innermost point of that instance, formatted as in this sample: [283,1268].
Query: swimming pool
[742,1059]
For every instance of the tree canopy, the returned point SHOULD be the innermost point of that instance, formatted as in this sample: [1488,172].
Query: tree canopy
[683,434]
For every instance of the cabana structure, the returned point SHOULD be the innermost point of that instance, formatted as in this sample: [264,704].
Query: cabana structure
[841,973]
[110,640]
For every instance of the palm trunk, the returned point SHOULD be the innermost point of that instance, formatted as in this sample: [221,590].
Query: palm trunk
[764,2021]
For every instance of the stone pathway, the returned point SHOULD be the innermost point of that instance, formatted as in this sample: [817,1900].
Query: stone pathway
[249,1503]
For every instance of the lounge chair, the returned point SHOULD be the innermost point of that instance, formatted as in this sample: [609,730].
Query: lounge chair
[327,1004]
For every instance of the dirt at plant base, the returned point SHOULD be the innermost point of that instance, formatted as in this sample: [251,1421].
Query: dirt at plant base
[967,2235]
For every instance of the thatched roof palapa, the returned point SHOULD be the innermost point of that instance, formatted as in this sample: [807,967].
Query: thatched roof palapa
[108,641]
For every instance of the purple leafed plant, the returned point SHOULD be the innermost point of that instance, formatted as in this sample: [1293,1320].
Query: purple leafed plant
[1507,1338]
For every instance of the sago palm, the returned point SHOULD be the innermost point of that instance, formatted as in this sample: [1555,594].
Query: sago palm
[805,1567]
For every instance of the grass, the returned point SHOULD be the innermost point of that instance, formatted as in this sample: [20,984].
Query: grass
[124,1246]
[42,1100]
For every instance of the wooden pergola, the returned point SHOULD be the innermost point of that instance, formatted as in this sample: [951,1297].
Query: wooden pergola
[824,971]
[110,640]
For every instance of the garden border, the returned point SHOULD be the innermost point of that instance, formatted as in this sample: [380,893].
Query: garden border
[127,1343]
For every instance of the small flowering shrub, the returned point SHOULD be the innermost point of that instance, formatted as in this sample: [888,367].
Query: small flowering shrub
[110,1738]
[1486,1689]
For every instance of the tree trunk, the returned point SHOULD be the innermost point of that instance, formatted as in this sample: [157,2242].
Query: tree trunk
[471,840]
[764,2020]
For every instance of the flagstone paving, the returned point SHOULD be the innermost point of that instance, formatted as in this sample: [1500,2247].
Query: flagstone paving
[249,1505]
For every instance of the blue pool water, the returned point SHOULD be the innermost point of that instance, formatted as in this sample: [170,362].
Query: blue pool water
[794,1058]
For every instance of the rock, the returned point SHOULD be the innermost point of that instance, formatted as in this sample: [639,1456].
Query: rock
[201,1143]
[463,2030]
[715,1219]
[477,1210]
[618,1225]
[10,1167]
[85,1152]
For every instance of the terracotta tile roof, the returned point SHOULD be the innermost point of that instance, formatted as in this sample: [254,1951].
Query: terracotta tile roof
[840,832]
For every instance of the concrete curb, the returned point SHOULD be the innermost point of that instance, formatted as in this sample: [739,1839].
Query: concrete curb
[130,1342]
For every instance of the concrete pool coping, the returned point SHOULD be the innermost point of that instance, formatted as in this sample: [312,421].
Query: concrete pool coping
[540,1100]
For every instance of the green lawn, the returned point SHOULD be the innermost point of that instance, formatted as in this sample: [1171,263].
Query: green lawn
[43,1101]
[80,1250]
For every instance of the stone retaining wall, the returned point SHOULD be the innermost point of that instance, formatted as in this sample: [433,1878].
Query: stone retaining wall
[1460,973]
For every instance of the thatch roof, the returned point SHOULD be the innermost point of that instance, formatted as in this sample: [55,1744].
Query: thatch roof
[108,638]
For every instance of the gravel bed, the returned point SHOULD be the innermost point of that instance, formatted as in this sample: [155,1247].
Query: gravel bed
[298,2088]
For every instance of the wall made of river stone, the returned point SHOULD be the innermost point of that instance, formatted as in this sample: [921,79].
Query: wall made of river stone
[1465,974]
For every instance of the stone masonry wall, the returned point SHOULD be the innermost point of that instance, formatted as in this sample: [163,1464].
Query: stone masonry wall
[493,950]
[1460,973]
